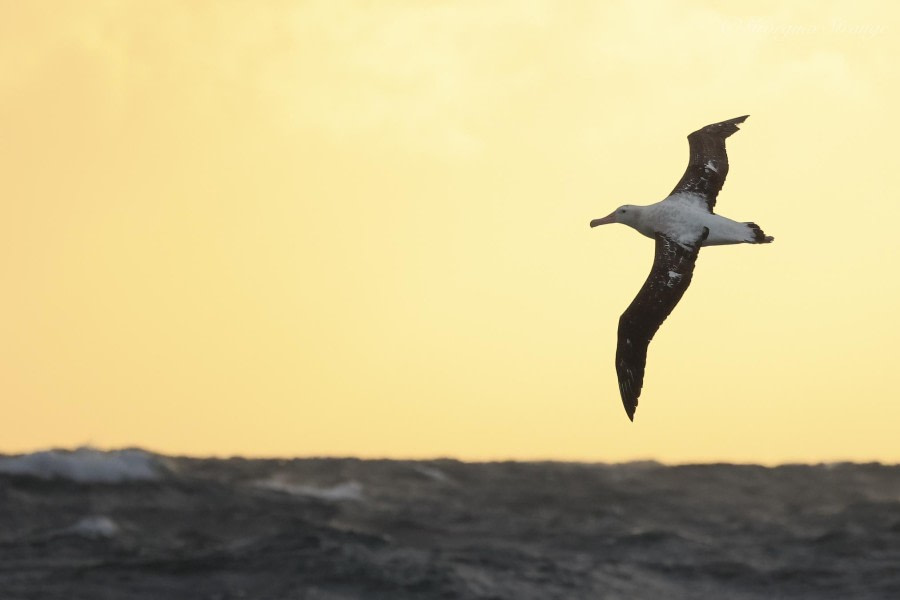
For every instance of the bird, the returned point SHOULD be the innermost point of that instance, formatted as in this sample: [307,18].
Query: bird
[680,224]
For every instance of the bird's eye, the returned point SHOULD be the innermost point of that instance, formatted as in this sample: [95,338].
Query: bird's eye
[623,211]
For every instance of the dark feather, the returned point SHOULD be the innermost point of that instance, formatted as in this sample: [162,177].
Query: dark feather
[673,267]
[708,165]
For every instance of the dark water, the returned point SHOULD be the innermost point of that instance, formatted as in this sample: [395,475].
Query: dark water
[341,529]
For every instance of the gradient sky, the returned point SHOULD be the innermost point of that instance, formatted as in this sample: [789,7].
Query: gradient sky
[361,228]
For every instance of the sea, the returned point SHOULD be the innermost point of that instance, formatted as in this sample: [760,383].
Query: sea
[131,524]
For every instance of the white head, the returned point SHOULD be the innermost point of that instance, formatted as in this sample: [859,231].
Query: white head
[626,214]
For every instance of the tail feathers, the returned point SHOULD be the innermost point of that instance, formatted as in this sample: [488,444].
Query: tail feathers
[759,237]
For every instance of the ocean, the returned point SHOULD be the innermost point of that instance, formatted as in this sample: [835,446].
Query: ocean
[129,524]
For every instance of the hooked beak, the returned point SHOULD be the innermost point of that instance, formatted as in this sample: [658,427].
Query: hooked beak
[610,218]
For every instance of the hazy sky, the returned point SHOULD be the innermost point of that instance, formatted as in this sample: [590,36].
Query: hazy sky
[326,227]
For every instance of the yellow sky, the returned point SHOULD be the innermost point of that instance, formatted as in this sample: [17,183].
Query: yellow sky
[325,227]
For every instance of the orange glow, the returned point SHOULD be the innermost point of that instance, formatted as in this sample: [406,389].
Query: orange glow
[306,228]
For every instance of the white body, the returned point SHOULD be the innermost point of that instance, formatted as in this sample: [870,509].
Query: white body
[683,217]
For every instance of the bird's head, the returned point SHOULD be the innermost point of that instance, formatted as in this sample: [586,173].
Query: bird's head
[626,214]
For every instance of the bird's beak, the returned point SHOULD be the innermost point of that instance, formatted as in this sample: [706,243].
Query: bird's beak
[610,218]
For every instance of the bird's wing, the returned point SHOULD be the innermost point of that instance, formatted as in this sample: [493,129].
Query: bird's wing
[673,266]
[708,166]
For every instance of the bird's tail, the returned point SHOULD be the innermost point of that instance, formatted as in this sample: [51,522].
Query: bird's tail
[759,237]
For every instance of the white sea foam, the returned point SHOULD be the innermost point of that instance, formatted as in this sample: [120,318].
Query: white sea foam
[431,473]
[349,490]
[84,465]
[94,527]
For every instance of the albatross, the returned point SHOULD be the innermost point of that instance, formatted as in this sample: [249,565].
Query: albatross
[681,224]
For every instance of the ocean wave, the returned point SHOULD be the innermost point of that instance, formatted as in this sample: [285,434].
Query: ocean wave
[131,524]
[85,465]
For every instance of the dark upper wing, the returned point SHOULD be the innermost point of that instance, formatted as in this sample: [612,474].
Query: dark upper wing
[670,276]
[708,166]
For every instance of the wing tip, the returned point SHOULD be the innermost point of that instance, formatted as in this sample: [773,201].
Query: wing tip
[722,129]
[737,120]
[630,407]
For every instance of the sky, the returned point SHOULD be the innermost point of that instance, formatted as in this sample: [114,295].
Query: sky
[324,227]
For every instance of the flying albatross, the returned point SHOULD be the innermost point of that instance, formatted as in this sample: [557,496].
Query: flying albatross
[680,224]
